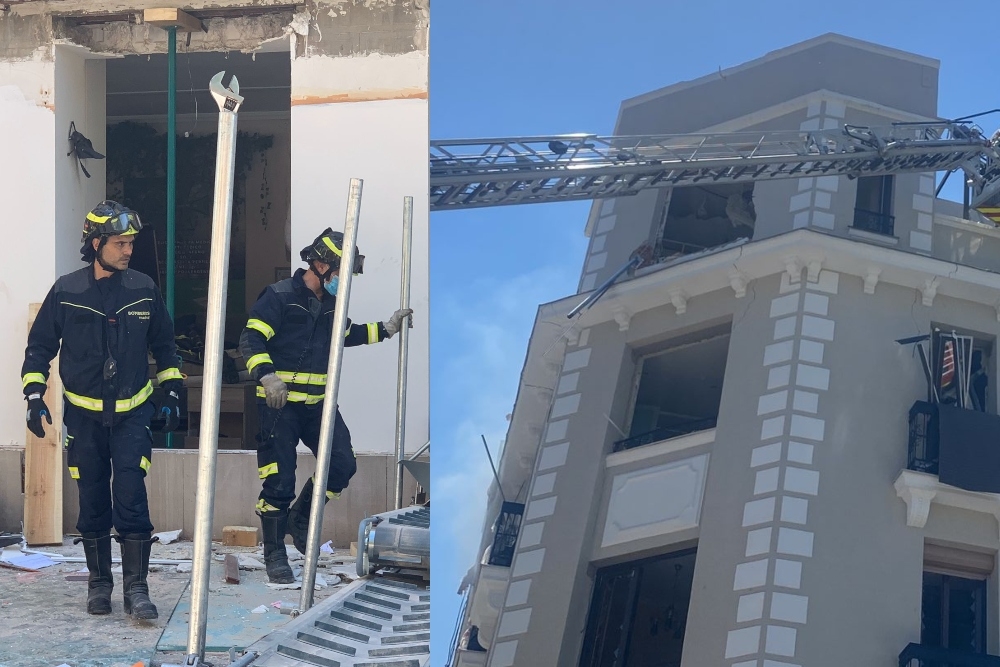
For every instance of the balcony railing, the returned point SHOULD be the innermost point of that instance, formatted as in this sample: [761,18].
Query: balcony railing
[875,222]
[956,444]
[457,634]
[920,655]
[922,454]
[667,433]
[505,534]
[670,248]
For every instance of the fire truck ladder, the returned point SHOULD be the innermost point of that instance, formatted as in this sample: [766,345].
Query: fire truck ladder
[496,172]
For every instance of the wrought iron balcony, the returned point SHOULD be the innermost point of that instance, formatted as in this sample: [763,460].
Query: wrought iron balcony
[920,655]
[505,532]
[667,433]
[922,454]
[875,222]
[956,444]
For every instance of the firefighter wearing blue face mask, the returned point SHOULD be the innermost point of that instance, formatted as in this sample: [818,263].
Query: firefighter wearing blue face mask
[286,347]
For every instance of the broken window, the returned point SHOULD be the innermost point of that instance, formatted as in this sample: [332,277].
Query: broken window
[961,363]
[638,613]
[873,207]
[678,389]
[949,434]
[699,217]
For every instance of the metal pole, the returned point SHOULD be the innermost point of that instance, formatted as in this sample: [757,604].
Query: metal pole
[171,161]
[330,394]
[171,172]
[222,210]
[404,339]
[605,286]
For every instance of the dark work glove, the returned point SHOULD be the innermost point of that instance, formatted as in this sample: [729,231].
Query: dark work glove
[170,411]
[36,410]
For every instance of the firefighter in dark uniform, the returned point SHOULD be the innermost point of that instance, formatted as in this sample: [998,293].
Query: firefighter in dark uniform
[106,317]
[286,346]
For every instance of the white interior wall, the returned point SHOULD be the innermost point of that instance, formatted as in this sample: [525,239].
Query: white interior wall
[339,132]
[27,188]
[265,248]
[80,87]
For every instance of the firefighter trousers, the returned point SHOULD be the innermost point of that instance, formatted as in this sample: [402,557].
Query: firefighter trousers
[280,432]
[110,466]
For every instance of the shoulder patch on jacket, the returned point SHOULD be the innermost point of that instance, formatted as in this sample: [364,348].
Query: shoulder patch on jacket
[283,286]
[74,283]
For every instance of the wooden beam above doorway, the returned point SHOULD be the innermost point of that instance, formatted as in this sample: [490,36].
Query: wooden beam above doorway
[171,17]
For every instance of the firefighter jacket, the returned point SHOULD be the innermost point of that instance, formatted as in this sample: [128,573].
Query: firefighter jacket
[119,318]
[288,333]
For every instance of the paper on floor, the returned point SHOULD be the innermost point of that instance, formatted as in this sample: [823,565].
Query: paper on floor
[26,561]
[168,536]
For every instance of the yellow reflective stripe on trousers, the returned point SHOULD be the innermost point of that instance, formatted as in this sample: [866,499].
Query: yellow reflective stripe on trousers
[261,326]
[169,374]
[144,464]
[372,332]
[264,506]
[258,359]
[121,405]
[296,397]
[74,472]
[29,378]
[268,470]
[302,378]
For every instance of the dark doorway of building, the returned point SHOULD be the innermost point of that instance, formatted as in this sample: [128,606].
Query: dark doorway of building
[136,99]
[639,612]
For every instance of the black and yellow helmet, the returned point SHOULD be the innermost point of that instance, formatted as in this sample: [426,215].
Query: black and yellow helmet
[328,248]
[109,218]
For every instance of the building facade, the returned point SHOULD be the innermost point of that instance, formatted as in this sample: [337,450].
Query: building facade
[736,457]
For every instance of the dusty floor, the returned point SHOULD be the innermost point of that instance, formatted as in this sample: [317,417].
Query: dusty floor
[44,621]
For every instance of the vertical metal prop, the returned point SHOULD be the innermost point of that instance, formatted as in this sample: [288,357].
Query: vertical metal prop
[330,394]
[404,339]
[171,171]
[229,102]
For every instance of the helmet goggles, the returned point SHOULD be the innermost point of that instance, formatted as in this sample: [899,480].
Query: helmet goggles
[123,223]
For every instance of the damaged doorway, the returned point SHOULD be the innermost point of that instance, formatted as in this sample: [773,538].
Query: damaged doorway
[136,175]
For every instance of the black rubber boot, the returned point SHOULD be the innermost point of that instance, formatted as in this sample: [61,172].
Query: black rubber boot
[298,517]
[273,525]
[135,568]
[97,549]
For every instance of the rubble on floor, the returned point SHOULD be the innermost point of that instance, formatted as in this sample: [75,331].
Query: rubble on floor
[50,601]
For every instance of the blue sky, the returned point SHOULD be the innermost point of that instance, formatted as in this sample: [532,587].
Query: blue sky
[529,67]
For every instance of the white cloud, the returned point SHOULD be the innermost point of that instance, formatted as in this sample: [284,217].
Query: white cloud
[481,377]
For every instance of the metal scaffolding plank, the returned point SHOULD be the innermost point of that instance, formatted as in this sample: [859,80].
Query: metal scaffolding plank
[473,173]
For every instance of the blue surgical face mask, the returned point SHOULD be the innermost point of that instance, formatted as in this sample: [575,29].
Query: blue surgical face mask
[331,286]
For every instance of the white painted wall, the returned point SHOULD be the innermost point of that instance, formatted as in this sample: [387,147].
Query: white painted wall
[361,117]
[27,189]
[80,97]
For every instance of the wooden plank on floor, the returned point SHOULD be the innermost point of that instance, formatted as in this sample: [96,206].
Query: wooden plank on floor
[43,474]
[11,491]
